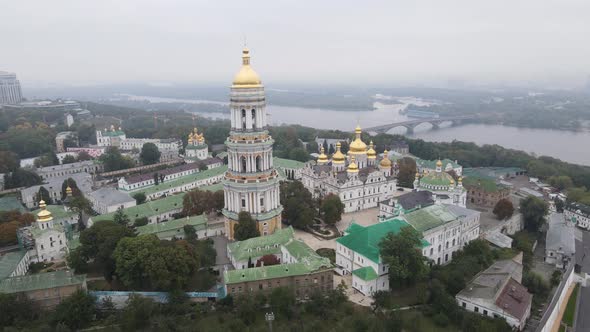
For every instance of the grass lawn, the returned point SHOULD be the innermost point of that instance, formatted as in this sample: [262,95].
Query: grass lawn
[570,310]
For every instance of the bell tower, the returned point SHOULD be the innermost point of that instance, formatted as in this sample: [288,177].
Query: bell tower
[251,182]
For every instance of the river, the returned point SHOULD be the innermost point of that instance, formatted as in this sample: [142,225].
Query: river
[565,145]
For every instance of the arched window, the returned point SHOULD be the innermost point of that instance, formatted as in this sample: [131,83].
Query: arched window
[243,162]
[243,119]
[254,119]
[258,164]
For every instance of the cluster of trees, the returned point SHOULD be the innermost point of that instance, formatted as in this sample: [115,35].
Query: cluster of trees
[246,228]
[141,262]
[533,211]
[10,222]
[197,202]
[113,160]
[504,209]
[407,172]
[300,208]
[149,154]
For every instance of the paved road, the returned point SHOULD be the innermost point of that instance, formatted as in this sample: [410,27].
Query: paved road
[583,258]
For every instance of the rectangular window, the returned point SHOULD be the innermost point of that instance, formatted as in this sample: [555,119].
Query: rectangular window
[464,305]
[243,203]
[485,312]
[476,309]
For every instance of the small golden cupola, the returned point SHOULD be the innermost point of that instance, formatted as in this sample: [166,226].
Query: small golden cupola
[44,215]
[371,154]
[352,167]
[385,162]
[68,191]
[322,158]
[246,77]
[190,138]
[358,146]
[338,157]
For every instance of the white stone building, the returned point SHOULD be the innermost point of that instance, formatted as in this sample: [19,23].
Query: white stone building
[251,182]
[498,292]
[117,138]
[442,185]
[46,240]
[560,241]
[56,171]
[83,181]
[106,200]
[579,214]
[359,180]
[444,228]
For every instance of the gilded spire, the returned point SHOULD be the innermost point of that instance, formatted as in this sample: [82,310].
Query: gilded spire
[246,77]
[68,191]
[371,154]
[338,157]
[358,146]
[385,162]
[352,167]
[322,158]
[44,215]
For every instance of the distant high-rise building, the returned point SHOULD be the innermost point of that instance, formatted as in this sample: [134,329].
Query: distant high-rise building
[10,91]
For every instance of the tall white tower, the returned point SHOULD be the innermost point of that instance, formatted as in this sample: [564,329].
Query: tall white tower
[251,183]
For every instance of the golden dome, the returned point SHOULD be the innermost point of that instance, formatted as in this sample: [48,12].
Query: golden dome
[246,77]
[385,162]
[352,167]
[452,181]
[44,215]
[460,179]
[439,163]
[69,191]
[371,154]
[358,146]
[322,158]
[338,157]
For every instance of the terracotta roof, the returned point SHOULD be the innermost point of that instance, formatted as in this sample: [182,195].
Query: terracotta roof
[514,299]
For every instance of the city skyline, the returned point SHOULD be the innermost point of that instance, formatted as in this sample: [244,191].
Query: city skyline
[417,43]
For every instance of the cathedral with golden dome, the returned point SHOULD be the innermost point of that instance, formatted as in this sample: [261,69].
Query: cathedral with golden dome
[358,177]
[196,149]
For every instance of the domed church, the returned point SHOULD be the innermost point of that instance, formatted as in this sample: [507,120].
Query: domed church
[442,185]
[359,178]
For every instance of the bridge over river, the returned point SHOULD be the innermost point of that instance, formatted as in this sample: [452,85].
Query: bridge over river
[411,124]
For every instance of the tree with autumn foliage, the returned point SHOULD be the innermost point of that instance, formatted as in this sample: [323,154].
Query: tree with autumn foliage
[268,260]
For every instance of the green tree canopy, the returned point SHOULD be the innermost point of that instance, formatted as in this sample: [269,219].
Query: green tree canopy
[149,154]
[43,194]
[120,217]
[76,311]
[139,198]
[406,172]
[298,204]
[533,211]
[246,227]
[145,262]
[99,241]
[21,178]
[114,161]
[9,162]
[402,252]
[331,209]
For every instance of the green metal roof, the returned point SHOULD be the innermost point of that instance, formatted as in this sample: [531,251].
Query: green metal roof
[173,227]
[183,180]
[431,164]
[366,273]
[261,245]
[437,179]
[365,240]
[9,262]
[287,163]
[429,217]
[9,203]
[148,209]
[57,211]
[308,261]
[485,183]
[353,227]
[41,281]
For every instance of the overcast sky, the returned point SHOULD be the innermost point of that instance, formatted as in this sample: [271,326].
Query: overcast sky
[301,41]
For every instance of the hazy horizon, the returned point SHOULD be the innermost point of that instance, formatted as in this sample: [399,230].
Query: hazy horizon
[298,42]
